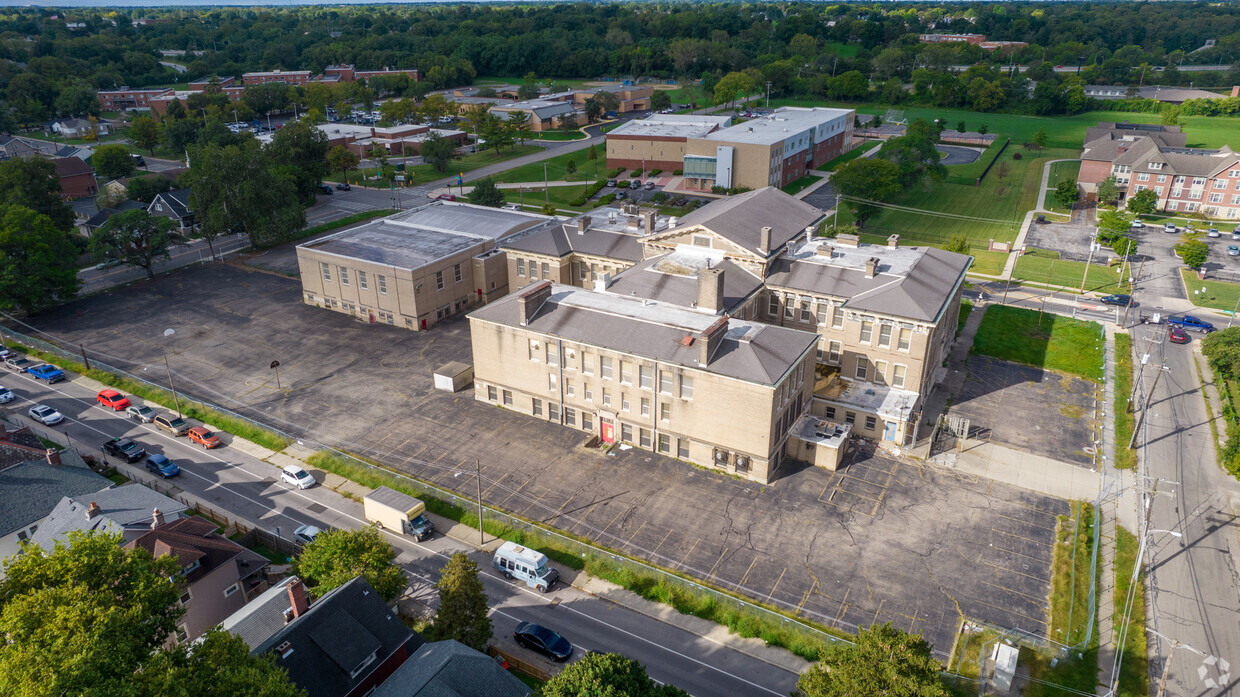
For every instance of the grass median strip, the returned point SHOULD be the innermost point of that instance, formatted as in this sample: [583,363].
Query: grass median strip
[344,222]
[1125,457]
[1134,680]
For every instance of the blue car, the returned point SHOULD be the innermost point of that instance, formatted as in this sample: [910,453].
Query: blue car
[158,464]
[47,372]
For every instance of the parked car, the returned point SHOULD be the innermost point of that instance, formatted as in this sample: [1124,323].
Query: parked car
[204,436]
[306,534]
[1138,224]
[158,464]
[1235,235]
[344,187]
[46,415]
[1117,299]
[446,197]
[649,184]
[1233,251]
[172,424]
[611,182]
[298,477]
[1170,227]
[112,399]
[107,264]
[17,363]
[138,159]
[543,640]
[6,395]
[47,372]
[635,184]
[621,195]
[1178,336]
[124,448]
[512,207]
[1212,232]
[142,413]
[327,190]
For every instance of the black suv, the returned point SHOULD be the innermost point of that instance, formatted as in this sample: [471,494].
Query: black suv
[124,448]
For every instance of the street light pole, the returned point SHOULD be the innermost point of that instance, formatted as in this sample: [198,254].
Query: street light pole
[175,399]
[482,538]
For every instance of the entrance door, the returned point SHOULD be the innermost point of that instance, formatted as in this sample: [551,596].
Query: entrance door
[890,431]
[607,431]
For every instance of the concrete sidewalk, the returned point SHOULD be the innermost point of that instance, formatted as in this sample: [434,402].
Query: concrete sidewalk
[1033,472]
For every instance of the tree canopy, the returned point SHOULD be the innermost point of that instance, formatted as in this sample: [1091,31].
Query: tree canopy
[882,661]
[486,193]
[462,612]
[136,238]
[338,556]
[871,179]
[607,675]
[38,266]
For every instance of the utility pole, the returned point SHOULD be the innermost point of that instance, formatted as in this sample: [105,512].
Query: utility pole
[85,360]
[175,399]
[1132,292]
[546,186]
[1093,244]
[478,477]
[1146,407]
[768,94]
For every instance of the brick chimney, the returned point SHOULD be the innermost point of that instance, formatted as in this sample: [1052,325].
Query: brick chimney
[847,240]
[648,222]
[710,340]
[893,242]
[871,267]
[531,300]
[53,456]
[710,289]
[94,511]
[764,239]
[583,224]
[826,250]
[157,518]
[297,597]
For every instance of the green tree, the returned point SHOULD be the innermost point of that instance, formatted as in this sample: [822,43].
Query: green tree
[570,167]
[1193,250]
[732,86]
[870,179]
[110,197]
[266,98]
[568,122]
[1143,202]
[84,617]
[435,107]
[439,152]
[914,154]
[38,266]
[660,100]
[341,159]
[112,161]
[983,129]
[1108,190]
[145,189]
[882,661]
[338,556]
[1113,225]
[485,193]
[958,243]
[1169,115]
[607,675]
[960,128]
[462,613]
[33,183]
[236,188]
[527,91]
[518,125]
[305,148]
[144,132]
[1066,193]
[1039,139]
[136,238]
[219,664]
[1222,350]
[592,156]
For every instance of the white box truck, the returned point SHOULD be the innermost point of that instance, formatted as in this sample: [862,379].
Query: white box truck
[400,513]
[514,561]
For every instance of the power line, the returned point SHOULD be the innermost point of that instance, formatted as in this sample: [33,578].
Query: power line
[921,211]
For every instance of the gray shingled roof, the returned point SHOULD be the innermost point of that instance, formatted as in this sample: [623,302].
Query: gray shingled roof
[176,202]
[263,616]
[451,669]
[130,507]
[31,490]
[912,282]
[740,218]
[673,279]
[561,240]
[750,351]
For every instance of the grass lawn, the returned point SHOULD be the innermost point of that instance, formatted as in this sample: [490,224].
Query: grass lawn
[1219,295]
[987,262]
[965,308]
[560,196]
[1060,171]
[1042,267]
[846,50]
[426,173]
[800,184]
[1134,678]
[557,169]
[530,681]
[850,155]
[1048,341]
[1125,458]
[1005,199]
[559,135]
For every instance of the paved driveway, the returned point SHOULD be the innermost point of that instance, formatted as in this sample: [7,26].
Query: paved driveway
[881,540]
[959,154]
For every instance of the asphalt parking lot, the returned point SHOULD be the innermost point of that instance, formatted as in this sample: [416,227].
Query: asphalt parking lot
[881,540]
[1029,409]
[1071,240]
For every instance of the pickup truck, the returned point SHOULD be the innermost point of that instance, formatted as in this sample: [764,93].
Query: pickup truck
[1187,322]
[47,372]
[124,448]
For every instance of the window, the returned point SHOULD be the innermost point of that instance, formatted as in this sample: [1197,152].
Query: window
[507,398]
[546,269]
[456,273]
[538,407]
[773,306]
[833,352]
[361,280]
[1216,198]
[1162,178]
[837,318]
[327,272]
[863,367]
[570,416]
[665,382]
[830,412]
[880,371]
[1177,192]
[583,271]
[643,437]
[850,418]
[822,314]
[553,411]
[182,634]
[1199,181]
[521,268]
[806,314]
[605,367]
[552,384]
[344,276]
[884,336]
[186,596]
[897,375]
[553,354]
[587,393]
[686,387]
[492,393]
[606,398]
[906,338]
[645,406]
[624,401]
[569,389]
[682,448]
[230,590]
[1233,173]
[645,376]
[382,283]
[1235,199]
[587,421]
[701,241]
[665,443]
[867,331]
[665,411]
[535,350]
[1220,183]
[587,364]
[870,423]
[626,433]
[790,307]
[438,280]
[1143,176]
[626,373]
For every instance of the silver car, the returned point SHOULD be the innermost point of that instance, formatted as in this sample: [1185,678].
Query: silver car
[46,415]
[142,413]
[306,534]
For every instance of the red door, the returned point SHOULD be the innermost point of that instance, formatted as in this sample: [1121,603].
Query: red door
[608,432]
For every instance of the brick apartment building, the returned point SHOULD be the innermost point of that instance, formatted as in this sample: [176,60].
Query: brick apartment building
[349,73]
[287,77]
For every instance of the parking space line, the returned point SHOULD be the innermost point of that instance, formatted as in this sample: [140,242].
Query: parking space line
[696,540]
[805,597]
[1018,573]
[1018,521]
[843,604]
[746,576]
[656,549]
[494,484]
[1037,622]
[639,529]
[621,512]
[781,577]
[878,610]
[711,575]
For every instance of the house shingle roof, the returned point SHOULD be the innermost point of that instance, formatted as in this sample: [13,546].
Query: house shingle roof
[71,167]
[130,507]
[32,488]
[741,218]
[263,616]
[451,669]
[194,539]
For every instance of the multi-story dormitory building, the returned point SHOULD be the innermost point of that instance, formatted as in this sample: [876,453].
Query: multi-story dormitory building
[730,338]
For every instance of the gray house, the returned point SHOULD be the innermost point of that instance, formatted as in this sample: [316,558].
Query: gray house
[174,205]
[130,510]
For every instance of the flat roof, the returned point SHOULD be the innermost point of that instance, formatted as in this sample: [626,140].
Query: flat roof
[821,431]
[411,239]
[776,126]
[672,126]
[888,402]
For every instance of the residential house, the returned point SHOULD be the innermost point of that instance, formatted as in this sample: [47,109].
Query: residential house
[17,146]
[33,480]
[130,511]
[78,128]
[96,221]
[266,614]
[77,179]
[451,669]
[174,205]
[344,644]
[218,576]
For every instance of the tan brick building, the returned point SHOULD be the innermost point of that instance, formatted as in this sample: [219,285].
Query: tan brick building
[658,142]
[414,268]
[545,115]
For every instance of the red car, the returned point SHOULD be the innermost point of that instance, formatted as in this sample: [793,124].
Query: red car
[446,197]
[204,437]
[1178,336]
[113,399]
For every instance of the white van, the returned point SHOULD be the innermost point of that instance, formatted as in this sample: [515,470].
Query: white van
[515,561]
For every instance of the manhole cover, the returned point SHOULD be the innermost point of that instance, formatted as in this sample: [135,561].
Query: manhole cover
[316,508]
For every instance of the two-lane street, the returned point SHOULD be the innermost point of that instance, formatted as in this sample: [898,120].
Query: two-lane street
[247,486]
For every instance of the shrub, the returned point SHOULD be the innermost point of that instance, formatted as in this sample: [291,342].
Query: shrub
[611,173]
[653,172]
[1017,156]
[622,184]
[636,173]
[678,172]
[659,197]
[606,199]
